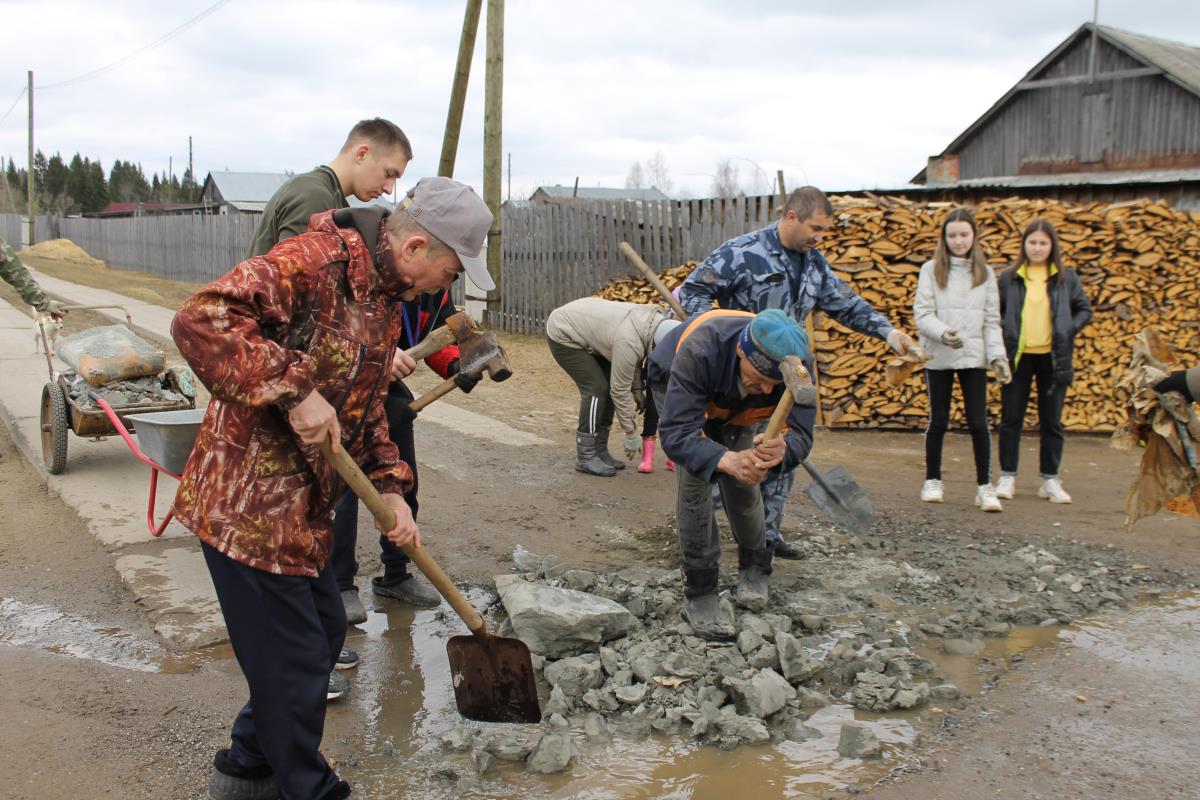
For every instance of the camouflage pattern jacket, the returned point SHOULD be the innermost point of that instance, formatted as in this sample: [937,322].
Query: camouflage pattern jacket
[754,272]
[316,313]
[14,272]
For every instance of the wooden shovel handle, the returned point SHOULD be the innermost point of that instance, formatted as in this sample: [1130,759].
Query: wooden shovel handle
[441,390]
[362,487]
[651,276]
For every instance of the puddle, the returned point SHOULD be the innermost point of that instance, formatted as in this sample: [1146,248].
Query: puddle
[48,628]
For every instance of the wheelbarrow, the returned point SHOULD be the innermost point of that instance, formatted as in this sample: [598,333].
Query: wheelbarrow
[65,407]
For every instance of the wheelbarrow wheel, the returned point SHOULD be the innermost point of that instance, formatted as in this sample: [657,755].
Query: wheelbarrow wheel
[54,428]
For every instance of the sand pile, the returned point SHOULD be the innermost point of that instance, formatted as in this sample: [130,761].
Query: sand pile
[62,250]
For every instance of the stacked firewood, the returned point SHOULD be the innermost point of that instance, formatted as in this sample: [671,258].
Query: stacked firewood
[1139,262]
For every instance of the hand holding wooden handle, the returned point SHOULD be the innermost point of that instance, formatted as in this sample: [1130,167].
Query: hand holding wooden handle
[362,486]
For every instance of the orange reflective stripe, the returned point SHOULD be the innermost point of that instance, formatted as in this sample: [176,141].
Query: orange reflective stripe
[705,317]
[752,415]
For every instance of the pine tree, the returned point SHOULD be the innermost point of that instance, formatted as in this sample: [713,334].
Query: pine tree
[56,182]
[76,185]
[97,188]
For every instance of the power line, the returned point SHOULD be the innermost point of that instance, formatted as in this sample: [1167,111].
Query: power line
[14,104]
[123,61]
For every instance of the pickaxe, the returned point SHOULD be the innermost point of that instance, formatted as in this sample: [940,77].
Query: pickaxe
[478,352]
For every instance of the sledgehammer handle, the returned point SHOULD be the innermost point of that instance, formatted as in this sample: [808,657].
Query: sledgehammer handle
[779,417]
[362,487]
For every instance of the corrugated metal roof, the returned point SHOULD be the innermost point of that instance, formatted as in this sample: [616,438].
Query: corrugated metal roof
[599,193]
[1158,176]
[1180,61]
[248,187]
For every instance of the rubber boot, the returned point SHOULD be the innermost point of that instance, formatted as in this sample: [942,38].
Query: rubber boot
[647,464]
[602,435]
[702,607]
[754,571]
[586,459]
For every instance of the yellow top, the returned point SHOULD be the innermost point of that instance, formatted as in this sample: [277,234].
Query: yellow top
[1035,314]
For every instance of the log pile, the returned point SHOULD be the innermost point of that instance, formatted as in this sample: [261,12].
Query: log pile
[1138,262]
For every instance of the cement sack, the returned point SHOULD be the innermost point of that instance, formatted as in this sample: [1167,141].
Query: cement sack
[109,353]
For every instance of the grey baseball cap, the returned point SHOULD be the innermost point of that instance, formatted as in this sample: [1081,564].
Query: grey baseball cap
[453,213]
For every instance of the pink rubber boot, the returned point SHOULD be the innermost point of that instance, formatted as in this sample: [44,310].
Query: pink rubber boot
[647,464]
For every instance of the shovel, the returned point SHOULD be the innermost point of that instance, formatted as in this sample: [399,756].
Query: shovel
[492,675]
[840,499]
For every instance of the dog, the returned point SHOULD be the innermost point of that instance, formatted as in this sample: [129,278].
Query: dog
[51,324]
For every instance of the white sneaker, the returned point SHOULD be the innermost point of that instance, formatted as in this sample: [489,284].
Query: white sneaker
[986,498]
[1052,490]
[1006,487]
[931,492]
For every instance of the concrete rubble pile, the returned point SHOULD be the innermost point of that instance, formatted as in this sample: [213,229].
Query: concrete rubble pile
[617,660]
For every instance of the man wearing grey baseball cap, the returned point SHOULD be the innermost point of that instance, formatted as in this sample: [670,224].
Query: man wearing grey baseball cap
[456,217]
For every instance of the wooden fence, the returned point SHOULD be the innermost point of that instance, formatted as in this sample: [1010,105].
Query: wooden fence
[552,253]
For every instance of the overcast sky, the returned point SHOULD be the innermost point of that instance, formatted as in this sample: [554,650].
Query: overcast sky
[850,95]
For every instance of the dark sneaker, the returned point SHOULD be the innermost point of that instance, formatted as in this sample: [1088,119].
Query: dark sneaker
[355,613]
[347,659]
[232,781]
[408,589]
[339,685]
[785,549]
[341,791]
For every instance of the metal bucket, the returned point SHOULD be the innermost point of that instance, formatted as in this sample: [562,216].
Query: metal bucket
[167,436]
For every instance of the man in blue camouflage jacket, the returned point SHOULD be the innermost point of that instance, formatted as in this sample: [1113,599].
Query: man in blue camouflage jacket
[779,267]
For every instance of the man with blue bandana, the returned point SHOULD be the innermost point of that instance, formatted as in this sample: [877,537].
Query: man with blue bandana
[779,267]
[715,377]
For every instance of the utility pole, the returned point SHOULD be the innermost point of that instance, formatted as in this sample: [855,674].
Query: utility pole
[509,199]
[458,92]
[32,204]
[191,171]
[493,103]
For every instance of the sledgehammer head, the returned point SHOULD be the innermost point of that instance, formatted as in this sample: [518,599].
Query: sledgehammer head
[480,352]
[798,381]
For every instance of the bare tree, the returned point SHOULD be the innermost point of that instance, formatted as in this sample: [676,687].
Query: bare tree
[634,179]
[725,181]
[657,175]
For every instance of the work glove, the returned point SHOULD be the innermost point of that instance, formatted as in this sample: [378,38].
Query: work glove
[951,339]
[632,445]
[899,341]
[463,380]
[399,414]
[1175,382]
[1003,371]
[54,309]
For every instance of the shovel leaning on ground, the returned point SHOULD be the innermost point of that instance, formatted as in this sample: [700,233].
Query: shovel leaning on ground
[492,675]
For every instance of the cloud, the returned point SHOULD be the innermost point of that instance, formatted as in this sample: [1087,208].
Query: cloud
[841,95]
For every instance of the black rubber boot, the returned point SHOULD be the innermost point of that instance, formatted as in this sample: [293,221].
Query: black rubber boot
[702,607]
[407,589]
[785,549]
[602,436]
[754,571]
[232,781]
[587,459]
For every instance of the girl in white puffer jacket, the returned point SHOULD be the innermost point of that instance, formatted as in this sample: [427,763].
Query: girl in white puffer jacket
[957,311]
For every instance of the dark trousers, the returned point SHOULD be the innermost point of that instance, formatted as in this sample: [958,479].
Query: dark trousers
[590,373]
[650,417]
[974,390]
[286,632]
[1015,398]
[343,560]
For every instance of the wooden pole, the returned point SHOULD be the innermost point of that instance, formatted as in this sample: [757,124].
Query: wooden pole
[29,183]
[458,92]
[493,104]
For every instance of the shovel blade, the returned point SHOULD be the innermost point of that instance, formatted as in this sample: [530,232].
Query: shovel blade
[493,679]
[841,500]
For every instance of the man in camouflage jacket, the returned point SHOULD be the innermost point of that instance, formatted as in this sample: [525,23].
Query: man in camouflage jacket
[295,347]
[14,273]
[779,267]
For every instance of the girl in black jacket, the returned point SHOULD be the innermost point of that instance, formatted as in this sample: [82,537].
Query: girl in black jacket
[1042,308]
